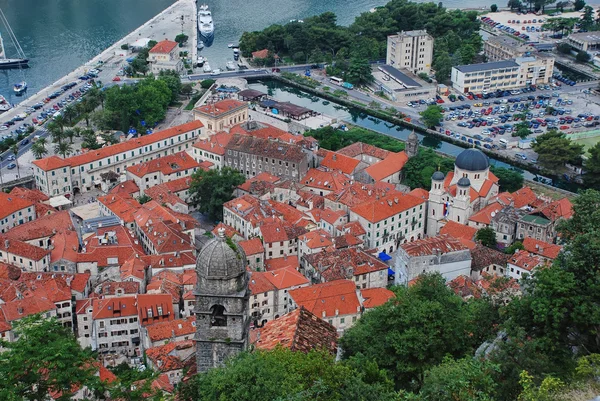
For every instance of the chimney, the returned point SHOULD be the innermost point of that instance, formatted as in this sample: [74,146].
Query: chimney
[6,243]
[334,157]
[20,310]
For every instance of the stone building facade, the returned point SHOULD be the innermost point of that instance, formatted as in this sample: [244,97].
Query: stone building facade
[222,321]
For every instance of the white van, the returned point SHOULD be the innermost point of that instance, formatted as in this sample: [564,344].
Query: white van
[503,142]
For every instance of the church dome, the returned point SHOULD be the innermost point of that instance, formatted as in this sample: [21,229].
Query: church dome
[464,182]
[219,259]
[438,176]
[472,160]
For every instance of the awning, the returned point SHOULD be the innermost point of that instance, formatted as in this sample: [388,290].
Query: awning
[391,272]
[384,256]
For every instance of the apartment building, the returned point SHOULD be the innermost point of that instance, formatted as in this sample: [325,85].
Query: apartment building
[391,220]
[57,176]
[586,41]
[412,50]
[252,156]
[15,210]
[280,238]
[162,169]
[212,149]
[503,75]
[269,293]
[28,257]
[502,47]
[221,115]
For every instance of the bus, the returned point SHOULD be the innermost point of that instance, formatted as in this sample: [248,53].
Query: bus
[336,80]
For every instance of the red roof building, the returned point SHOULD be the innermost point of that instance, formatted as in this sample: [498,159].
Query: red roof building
[164,46]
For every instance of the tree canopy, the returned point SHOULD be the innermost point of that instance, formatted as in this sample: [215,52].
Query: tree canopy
[210,189]
[508,179]
[487,236]
[335,139]
[555,149]
[418,170]
[591,178]
[432,116]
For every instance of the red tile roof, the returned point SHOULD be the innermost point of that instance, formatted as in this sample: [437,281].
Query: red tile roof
[168,330]
[386,207]
[66,246]
[283,262]
[419,193]
[262,183]
[541,248]
[328,299]
[133,267]
[392,164]
[298,330]
[214,144]
[252,246]
[344,263]
[316,239]
[164,46]
[34,195]
[51,163]
[286,277]
[10,204]
[360,148]
[259,130]
[429,246]
[221,107]
[485,215]
[125,189]
[259,283]
[333,181]
[167,165]
[458,231]
[122,147]
[277,231]
[525,260]
[166,358]
[123,207]
[338,161]
[562,208]
[264,53]
[229,231]
[22,249]
[523,197]
[354,228]
[44,226]
[376,296]
[20,308]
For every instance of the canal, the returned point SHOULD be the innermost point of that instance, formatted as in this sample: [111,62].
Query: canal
[281,92]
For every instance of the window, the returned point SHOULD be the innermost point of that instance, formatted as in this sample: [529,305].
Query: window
[218,318]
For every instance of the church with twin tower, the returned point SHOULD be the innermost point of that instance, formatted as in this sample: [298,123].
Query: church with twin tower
[222,320]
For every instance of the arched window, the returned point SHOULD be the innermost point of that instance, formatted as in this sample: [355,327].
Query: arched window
[218,318]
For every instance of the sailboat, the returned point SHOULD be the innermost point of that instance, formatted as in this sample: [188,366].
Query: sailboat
[21,60]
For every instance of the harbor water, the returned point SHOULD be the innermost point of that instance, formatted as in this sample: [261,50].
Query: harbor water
[60,35]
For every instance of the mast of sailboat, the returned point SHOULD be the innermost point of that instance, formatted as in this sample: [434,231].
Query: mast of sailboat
[11,35]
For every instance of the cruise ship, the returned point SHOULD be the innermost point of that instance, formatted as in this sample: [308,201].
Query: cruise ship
[205,22]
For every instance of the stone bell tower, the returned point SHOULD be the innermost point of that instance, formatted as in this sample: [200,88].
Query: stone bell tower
[412,145]
[222,321]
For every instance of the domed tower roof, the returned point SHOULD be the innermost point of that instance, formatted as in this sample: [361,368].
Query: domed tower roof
[413,136]
[464,182]
[472,160]
[220,259]
[438,176]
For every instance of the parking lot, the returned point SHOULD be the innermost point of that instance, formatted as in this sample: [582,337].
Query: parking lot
[489,121]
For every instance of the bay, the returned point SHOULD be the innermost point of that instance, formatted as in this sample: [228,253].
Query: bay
[60,35]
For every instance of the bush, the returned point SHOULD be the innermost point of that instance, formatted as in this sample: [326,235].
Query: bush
[494,8]
[207,83]
[125,46]
[583,57]
[564,48]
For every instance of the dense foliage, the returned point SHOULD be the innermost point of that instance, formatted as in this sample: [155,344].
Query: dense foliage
[432,116]
[320,39]
[334,139]
[293,376]
[413,332]
[210,189]
[418,170]
[509,180]
[141,106]
[554,149]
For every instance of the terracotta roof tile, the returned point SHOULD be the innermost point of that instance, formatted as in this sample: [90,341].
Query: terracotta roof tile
[458,231]
[524,260]
[44,226]
[333,181]
[51,163]
[360,148]
[562,208]
[221,107]
[252,246]
[316,239]
[338,161]
[28,306]
[283,262]
[429,246]
[125,189]
[259,283]
[420,193]
[328,299]
[386,207]
[167,330]
[286,277]
[267,148]
[215,144]
[485,215]
[523,197]
[164,46]
[541,248]
[21,248]
[392,164]
[166,358]
[298,330]
[344,263]
[482,257]
[167,165]
[376,296]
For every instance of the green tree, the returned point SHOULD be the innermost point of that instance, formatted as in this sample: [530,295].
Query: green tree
[591,178]
[90,140]
[432,116]
[69,113]
[583,57]
[418,170]
[38,149]
[209,190]
[494,8]
[63,148]
[564,48]
[518,245]
[133,384]
[487,237]
[417,329]
[143,199]
[173,81]
[521,130]
[282,374]
[578,5]
[442,64]
[207,83]
[466,379]
[69,133]
[547,391]
[181,38]
[587,18]
[515,4]
[139,66]
[359,72]
[44,359]
[554,149]
[509,180]
[187,89]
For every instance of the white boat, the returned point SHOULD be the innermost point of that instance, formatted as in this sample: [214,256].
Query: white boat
[4,105]
[205,22]
[230,45]
[230,66]
[21,60]
[20,87]
[200,60]
[206,67]
[200,45]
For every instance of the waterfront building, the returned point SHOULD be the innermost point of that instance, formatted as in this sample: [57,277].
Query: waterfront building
[165,56]
[412,50]
[503,75]
[462,192]
[57,176]
[222,295]
[221,115]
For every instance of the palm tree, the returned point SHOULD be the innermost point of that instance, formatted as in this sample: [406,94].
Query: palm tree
[63,149]
[15,149]
[69,112]
[39,149]
[60,122]
[69,133]
[56,132]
